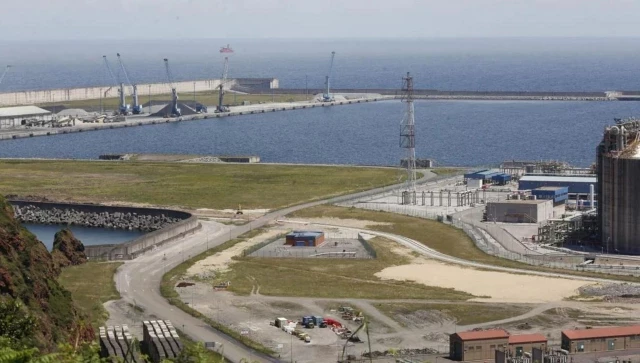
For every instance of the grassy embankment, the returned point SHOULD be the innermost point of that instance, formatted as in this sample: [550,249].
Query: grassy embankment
[463,314]
[91,285]
[441,237]
[332,278]
[171,278]
[208,98]
[217,186]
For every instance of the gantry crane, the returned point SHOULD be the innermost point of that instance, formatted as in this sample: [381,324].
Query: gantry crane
[175,110]
[6,69]
[137,108]
[327,97]
[223,80]
[123,108]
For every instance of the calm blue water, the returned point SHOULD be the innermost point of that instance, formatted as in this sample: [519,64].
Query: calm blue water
[88,236]
[527,64]
[464,133]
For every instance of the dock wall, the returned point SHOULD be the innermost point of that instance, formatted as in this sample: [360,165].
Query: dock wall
[128,250]
[92,93]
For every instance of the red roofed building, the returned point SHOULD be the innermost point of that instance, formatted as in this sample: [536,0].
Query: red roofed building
[519,344]
[601,339]
[477,345]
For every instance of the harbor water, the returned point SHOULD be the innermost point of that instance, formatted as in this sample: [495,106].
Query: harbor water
[88,236]
[460,133]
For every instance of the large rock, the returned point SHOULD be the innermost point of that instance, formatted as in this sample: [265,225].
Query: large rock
[28,274]
[67,249]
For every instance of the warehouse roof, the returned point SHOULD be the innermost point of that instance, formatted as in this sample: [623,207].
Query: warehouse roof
[620,331]
[10,112]
[483,334]
[305,234]
[555,178]
[527,338]
[549,188]
[521,201]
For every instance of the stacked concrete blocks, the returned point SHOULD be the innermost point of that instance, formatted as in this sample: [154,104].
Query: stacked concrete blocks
[161,340]
[116,343]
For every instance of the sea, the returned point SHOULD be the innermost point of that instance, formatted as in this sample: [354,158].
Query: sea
[461,133]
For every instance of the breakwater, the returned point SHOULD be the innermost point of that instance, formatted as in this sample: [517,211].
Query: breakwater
[97,219]
[459,95]
[93,93]
[173,224]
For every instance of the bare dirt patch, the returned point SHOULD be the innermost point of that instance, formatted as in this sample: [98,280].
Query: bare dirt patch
[497,286]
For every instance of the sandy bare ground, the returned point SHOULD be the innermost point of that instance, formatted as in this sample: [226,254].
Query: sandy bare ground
[220,261]
[499,286]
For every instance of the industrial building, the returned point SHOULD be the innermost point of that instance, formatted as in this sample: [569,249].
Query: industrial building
[601,339]
[579,187]
[521,344]
[482,345]
[618,188]
[489,176]
[16,116]
[557,194]
[304,238]
[520,211]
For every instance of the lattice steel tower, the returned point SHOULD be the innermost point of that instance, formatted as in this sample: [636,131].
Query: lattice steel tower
[407,137]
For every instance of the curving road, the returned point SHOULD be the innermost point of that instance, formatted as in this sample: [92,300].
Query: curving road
[138,281]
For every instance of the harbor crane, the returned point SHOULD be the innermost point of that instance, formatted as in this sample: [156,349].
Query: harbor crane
[136,108]
[175,110]
[223,80]
[327,97]
[6,69]
[123,108]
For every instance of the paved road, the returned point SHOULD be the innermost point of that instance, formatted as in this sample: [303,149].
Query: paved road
[138,280]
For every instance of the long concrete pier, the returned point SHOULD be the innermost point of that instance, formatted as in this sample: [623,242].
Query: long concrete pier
[132,121]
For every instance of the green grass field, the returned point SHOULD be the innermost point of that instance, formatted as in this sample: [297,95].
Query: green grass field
[91,285]
[331,278]
[463,314]
[188,185]
[208,98]
[439,236]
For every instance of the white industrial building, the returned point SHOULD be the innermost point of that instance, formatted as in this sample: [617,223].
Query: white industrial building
[520,211]
[16,116]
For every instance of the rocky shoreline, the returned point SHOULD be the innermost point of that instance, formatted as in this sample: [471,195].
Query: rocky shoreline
[70,216]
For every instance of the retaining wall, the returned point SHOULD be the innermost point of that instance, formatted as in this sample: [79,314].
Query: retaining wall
[134,248]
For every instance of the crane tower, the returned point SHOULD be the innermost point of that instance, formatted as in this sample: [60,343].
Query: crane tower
[223,81]
[407,140]
[327,97]
[175,110]
[6,69]
[123,108]
[137,108]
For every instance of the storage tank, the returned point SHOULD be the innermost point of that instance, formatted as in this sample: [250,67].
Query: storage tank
[618,189]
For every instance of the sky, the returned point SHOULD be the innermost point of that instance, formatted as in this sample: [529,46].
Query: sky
[309,19]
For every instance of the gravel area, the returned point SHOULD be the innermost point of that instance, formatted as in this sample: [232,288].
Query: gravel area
[619,290]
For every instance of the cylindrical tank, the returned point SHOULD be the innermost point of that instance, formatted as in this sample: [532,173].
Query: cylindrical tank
[619,203]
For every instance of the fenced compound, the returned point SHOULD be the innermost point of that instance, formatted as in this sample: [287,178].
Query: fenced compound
[336,245]
[492,239]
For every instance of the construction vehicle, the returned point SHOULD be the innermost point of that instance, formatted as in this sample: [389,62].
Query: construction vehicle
[223,80]
[327,97]
[123,107]
[222,286]
[137,107]
[307,322]
[319,321]
[6,69]
[175,110]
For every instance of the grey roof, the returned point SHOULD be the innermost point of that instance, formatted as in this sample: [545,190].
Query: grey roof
[555,178]
[10,112]
[522,201]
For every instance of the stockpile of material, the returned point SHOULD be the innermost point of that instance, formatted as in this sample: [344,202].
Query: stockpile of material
[160,340]
[117,344]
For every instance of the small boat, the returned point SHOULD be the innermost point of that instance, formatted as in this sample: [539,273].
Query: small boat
[226,49]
